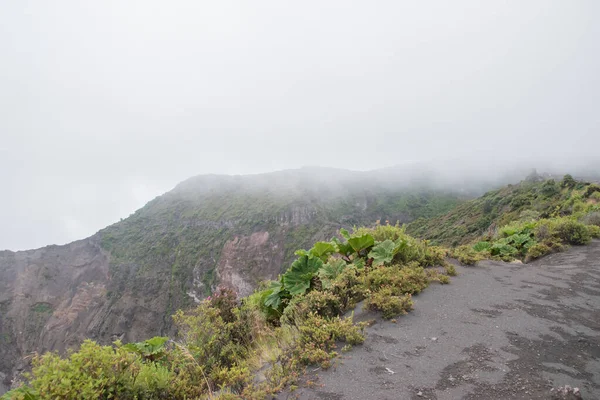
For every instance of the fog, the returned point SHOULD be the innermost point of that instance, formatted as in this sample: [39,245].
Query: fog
[105,105]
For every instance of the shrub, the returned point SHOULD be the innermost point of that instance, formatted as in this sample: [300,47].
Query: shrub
[488,206]
[516,228]
[21,393]
[150,350]
[537,250]
[572,232]
[153,381]
[93,372]
[318,336]
[383,232]
[399,280]
[450,269]
[482,246]
[521,201]
[591,189]
[325,304]
[466,255]
[555,244]
[220,347]
[592,218]
[434,255]
[549,188]
[225,300]
[564,229]
[348,288]
[568,181]
[594,231]
[389,304]
[529,215]
[503,250]
[543,230]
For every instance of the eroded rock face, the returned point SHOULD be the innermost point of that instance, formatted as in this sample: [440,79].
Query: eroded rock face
[247,260]
[53,298]
[50,299]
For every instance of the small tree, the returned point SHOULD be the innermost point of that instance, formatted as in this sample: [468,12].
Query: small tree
[568,181]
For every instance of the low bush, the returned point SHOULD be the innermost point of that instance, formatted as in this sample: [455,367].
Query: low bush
[348,288]
[466,255]
[537,250]
[93,372]
[482,246]
[450,269]
[322,303]
[399,280]
[592,218]
[571,232]
[434,256]
[531,239]
[318,337]
[591,189]
[594,231]
[390,304]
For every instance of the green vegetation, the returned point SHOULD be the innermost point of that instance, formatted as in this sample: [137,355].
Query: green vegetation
[286,324]
[524,221]
[533,239]
[229,348]
[531,199]
[367,249]
[181,234]
[41,308]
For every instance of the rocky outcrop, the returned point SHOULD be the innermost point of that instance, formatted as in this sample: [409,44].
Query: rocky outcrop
[247,260]
[50,299]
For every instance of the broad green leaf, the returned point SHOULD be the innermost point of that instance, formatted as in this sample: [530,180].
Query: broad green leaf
[359,263]
[402,244]
[330,271]
[361,242]
[297,279]
[148,347]
[481,246]
[383,253]
[502,249]
[345,234]
[301,253]
[404,250]
[519,240]
[273,300]
[322,250]
[343,248]
[156,342]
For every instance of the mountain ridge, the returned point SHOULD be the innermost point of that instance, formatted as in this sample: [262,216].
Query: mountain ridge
[125,281]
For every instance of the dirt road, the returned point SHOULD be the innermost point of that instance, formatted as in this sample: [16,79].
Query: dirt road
[498,331]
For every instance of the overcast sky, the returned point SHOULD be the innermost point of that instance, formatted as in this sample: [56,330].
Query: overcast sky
[106,104]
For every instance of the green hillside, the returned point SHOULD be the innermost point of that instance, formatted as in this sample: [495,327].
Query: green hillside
[524,221]
[534,198]
[250,348]
[175,243]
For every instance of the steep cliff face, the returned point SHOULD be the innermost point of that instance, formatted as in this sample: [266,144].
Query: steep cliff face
[50,298]
[126,281]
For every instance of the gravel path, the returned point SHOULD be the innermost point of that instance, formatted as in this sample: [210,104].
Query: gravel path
[498,331]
